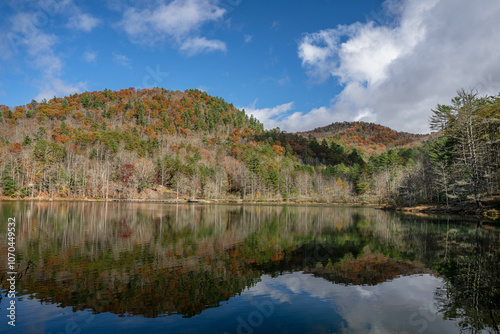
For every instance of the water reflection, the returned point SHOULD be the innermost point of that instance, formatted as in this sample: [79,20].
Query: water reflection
[403,305]
[154,261]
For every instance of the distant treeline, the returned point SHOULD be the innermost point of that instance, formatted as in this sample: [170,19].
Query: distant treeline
[161,143]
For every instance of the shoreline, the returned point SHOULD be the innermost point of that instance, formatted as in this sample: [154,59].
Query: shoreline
[190,201]
[490,209]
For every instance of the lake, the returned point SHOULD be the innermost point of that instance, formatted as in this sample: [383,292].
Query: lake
[88,267]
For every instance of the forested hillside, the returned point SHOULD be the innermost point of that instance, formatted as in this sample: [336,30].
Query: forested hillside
[463,162]
[368,138]
[157,143]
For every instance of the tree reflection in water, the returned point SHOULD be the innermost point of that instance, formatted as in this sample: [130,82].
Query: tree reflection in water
[158,260]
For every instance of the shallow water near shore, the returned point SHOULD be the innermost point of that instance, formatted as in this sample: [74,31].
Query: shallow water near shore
[87,267]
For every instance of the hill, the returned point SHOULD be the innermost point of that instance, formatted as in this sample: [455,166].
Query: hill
[152,143]
[163,144]
[367,137]
[115,143]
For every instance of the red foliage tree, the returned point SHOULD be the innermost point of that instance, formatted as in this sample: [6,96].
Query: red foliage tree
[126,172]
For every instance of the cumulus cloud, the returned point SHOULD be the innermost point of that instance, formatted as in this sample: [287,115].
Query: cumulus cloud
[83,22]
[395,73]
[286,118]
[177,21]
[58,87]
[196,45]
[270,117]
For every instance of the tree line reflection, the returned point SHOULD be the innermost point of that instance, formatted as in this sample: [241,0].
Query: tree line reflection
[158,260]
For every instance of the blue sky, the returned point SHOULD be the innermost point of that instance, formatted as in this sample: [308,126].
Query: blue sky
[295,64]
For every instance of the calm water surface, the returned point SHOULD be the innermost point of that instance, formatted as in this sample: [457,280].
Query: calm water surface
[156,268]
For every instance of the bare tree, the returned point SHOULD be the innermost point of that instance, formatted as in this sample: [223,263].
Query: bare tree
[466,132]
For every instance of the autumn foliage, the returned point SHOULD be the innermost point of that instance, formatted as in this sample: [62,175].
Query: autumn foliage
[132,142]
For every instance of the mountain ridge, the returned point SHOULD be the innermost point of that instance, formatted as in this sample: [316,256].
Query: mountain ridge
[366,136]
[118,144]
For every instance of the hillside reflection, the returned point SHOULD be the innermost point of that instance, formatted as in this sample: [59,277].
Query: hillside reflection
[157,260]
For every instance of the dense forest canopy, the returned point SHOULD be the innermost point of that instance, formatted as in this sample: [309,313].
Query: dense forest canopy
[157,143]
[367,137]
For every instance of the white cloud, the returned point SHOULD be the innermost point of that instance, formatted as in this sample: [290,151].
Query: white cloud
[26,34]
[90,56]
[196,45]
[58,87]
[284,116]
[83,22]
[270,117]
[318,52]
[27,38]
[38,46]
[248,38]
[121,60]
[49,64]
[401,298]
[394,74]
[177,20]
